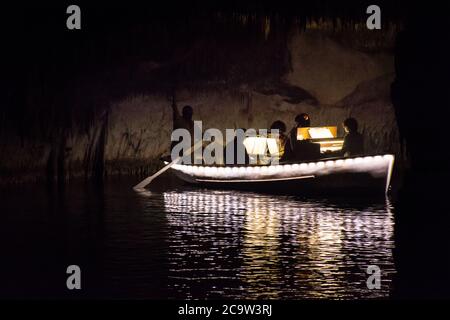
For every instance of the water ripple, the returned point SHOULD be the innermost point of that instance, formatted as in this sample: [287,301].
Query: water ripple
[258,246]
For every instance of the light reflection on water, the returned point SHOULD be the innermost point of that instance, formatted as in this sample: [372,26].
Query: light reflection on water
[190,243]
[225,244]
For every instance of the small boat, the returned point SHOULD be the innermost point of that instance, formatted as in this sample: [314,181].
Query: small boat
[354,175]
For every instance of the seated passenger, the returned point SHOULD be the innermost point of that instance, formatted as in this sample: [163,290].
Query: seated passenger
[284,146]
[353,141]
[302,150]
[301,121]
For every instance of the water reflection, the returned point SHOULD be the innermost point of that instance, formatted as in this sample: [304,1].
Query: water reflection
[187,243]
[242,245]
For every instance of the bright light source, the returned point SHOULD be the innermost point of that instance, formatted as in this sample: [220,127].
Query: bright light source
[320,133]
[348,161]
[320,164]
[273,146]
[255,145]
[376,165]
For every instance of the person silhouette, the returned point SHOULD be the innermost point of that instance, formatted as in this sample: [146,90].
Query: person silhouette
[284,145]
[302,120]
[303,149]
[353,140]
[183,121]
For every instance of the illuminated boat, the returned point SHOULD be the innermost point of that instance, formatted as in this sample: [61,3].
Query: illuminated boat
[357,175]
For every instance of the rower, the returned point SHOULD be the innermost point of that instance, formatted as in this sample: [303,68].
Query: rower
[185,120]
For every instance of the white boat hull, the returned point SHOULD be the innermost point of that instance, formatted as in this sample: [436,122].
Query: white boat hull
[360,174]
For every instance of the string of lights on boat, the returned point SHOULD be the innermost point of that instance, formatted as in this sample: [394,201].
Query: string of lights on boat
[377,166]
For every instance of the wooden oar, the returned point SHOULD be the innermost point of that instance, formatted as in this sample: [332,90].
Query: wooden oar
[141,185]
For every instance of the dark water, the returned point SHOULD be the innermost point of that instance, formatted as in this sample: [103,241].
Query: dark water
[179,242]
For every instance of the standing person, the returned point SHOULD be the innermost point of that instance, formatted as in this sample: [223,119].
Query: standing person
[183,121]
[353,140]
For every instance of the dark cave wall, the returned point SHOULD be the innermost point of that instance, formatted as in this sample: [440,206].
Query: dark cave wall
[327,79]
[113,115]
